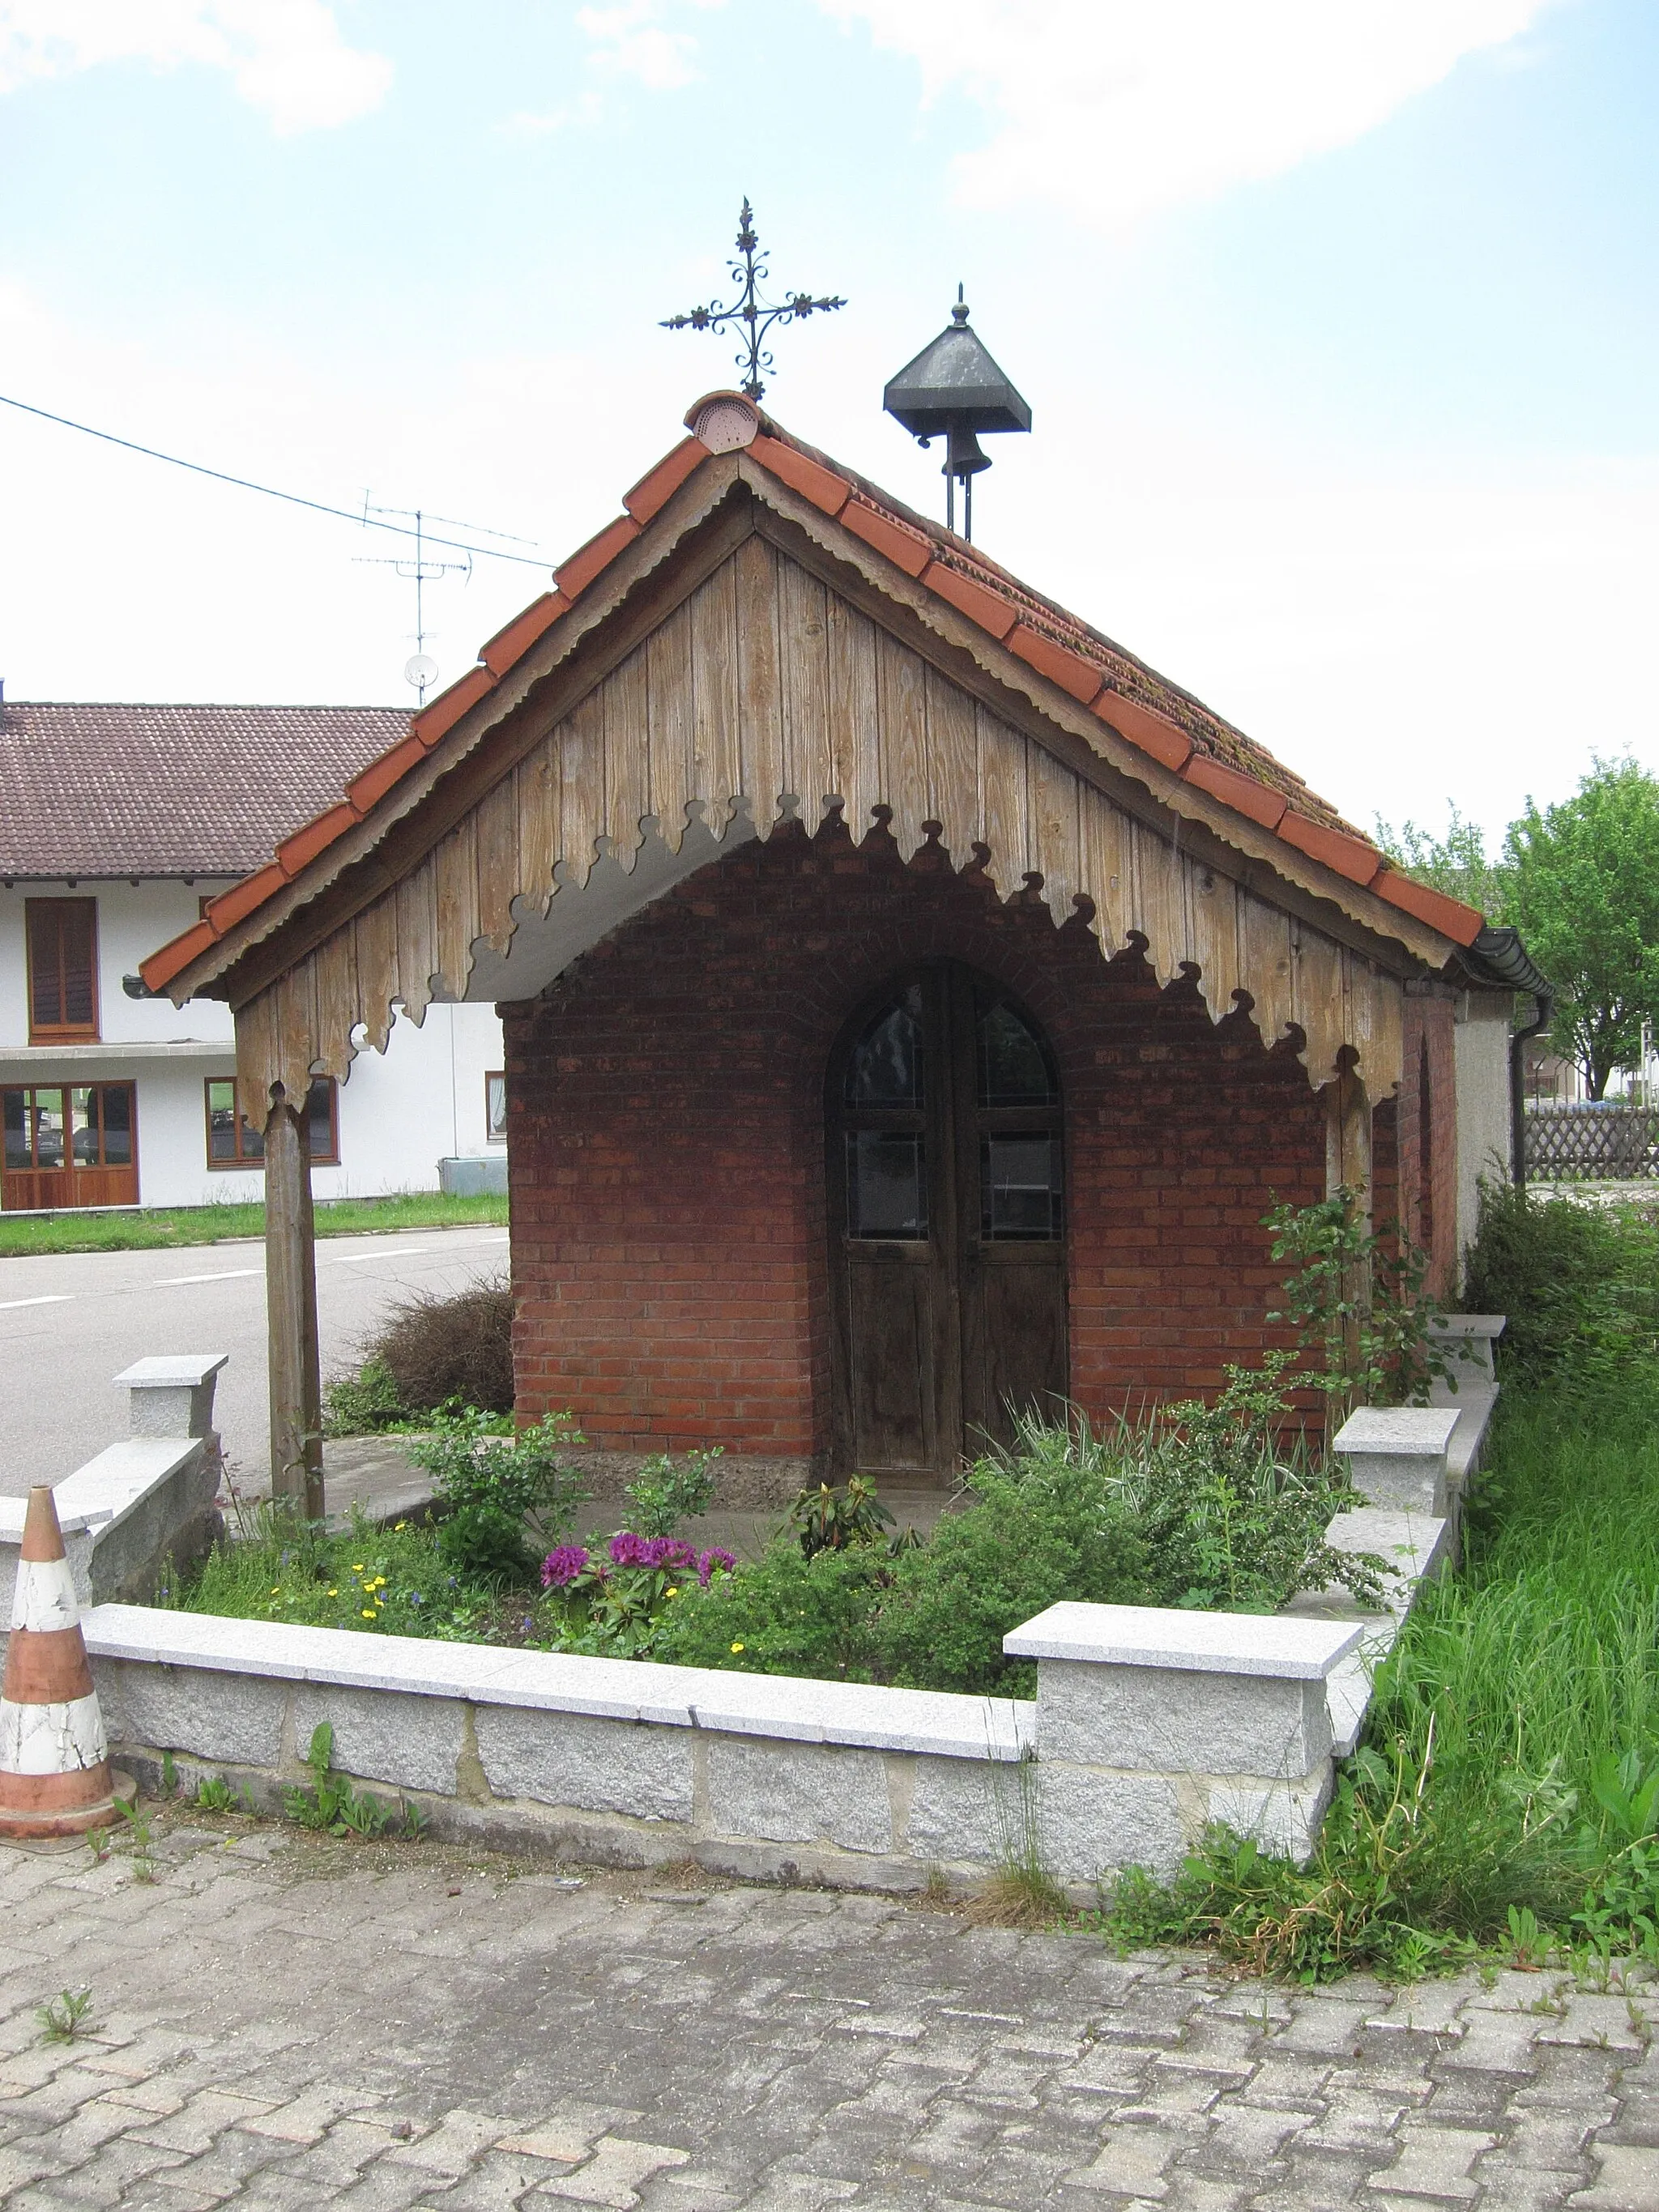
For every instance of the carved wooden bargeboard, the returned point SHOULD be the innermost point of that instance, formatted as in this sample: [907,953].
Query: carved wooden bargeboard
[765,695]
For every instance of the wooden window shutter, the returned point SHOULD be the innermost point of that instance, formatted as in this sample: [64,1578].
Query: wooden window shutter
[62,949]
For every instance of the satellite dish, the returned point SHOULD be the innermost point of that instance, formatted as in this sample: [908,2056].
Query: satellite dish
[421,670]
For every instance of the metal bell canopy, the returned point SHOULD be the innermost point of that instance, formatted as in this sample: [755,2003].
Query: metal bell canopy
[953,390]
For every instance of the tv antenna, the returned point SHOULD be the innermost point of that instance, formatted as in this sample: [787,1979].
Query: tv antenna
[420,669]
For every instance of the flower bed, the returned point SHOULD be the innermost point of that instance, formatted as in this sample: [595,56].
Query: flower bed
[1200,1509]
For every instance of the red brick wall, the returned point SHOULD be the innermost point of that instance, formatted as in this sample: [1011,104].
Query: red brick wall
[666,1105]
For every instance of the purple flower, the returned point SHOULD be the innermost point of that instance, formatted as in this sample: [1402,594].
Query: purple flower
[709,1561]
[628,1550]
[560,1567]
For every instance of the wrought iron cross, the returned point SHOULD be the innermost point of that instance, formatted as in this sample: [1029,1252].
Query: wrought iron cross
[749,270]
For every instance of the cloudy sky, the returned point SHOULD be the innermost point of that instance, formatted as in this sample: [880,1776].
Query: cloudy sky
[1337,319]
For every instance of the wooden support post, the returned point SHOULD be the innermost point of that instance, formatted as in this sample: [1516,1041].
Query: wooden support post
[296,1396]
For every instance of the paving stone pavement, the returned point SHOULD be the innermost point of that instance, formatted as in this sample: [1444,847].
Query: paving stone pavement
[280,2021]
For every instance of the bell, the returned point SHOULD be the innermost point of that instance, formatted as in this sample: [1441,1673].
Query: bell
[954,390]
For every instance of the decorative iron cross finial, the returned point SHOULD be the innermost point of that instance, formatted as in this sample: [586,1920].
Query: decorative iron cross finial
[750,310]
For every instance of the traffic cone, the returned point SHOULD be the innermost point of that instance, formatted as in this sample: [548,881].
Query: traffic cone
[55,1776]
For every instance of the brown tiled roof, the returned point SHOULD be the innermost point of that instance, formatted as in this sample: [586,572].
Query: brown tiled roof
[1151,714]
[118,790]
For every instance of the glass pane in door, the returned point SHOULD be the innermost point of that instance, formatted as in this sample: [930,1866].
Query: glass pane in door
[886,1183]
[1019,1185]
[48,1128]
[1013,1067]
[20,1154]
[886,1066]
[115,1112]
[83,1126]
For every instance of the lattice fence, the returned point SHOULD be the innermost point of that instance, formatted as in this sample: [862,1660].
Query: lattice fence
[1592,1143]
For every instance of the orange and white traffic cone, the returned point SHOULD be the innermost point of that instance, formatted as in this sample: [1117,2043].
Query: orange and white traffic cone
[55,1776]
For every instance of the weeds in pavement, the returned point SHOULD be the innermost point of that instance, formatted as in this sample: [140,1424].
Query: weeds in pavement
[67,2015]
[333,1805]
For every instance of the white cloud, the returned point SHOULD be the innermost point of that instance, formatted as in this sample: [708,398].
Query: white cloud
[630,40]
[286,58]
[1116,109]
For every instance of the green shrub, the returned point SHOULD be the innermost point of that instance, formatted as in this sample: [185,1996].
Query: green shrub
[363,1404]
[785,1614]
[437,1346]
[502,1499]
[667,1491]
[1229,1517]
[1579,1282]
[940,1622]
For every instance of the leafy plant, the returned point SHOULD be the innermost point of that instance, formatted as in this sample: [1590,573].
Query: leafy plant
[66,2016]
[1580,1284]
[667,1491]
[830,1520]
[1357,1303]
[332,1803]
[215,1795]
[364,1403]
[1583,889]
[142,1840]
[615,1601]
[502,1499]
[786,1612]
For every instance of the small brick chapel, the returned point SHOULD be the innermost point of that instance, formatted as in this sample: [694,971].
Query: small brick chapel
[913,1002]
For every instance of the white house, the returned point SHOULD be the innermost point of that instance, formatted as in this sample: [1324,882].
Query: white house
[117,824]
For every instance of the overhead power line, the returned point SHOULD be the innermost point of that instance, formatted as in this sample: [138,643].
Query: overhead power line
[366,521]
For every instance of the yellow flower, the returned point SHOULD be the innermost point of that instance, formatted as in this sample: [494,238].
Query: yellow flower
[673,1593]
[379,1582]
[398,1524]
[356,1566]
[368,1612]
[334,1593]
[737,1647]
[277,1591]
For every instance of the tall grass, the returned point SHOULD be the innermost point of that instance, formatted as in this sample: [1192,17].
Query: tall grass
[1508,1737]
[1539,1663]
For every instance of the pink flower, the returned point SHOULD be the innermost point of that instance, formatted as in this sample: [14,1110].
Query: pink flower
[709,1561]
[562,1567]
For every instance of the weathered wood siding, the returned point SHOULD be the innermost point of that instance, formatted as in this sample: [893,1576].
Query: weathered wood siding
[766,688]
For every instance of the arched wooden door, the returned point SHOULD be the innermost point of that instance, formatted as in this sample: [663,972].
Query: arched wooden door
[946,1221]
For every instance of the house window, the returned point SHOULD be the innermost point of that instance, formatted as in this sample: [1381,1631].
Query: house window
[232,1142]
[495,1109]
[63,956]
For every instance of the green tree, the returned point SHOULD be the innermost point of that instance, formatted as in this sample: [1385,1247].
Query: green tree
[1456,864]
[1584,890]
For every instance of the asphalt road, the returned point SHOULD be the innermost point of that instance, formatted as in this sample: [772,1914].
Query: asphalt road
[69,1322]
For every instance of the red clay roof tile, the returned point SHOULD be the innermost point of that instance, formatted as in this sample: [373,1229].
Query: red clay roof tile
[574,576]
[1462,924]
[1245,794]
[317,836]
[447,709]
[162,967]
[1142,707]
[1333,848]
[242,898]
[1153,732]
[905,548]
[378,778]
[803,474]
[657,486]
[981,605]
[499,653]
[1057,662]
